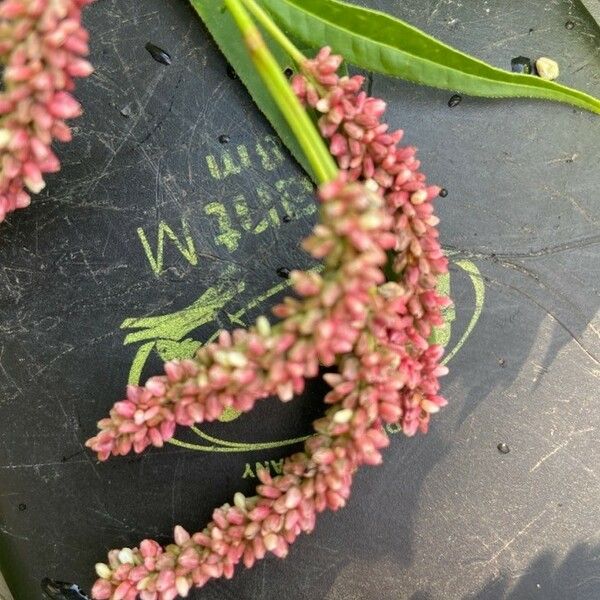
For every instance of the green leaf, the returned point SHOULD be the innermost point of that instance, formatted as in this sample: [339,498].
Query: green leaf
[223,29]
[379,42]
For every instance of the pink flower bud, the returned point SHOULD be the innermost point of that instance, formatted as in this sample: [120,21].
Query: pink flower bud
[125,409]
[166,580]
[64,106]
[121,591]
[102,589]
[180,535]
[32,177]
[79,68]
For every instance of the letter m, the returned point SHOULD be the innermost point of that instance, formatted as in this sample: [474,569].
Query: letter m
[185,245]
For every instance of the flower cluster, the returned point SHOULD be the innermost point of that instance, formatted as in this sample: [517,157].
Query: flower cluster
[367,151]
[42,45]
[374,330]
[247,365]
[349,435]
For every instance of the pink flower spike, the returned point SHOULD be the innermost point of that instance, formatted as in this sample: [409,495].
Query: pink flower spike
[42,48]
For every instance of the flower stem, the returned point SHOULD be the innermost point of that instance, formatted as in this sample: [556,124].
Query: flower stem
[274,31]
[279,36]
[304,129]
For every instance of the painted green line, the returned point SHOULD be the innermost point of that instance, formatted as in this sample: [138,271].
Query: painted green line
[137,366]
[247,447]
[477,280]
[188,446]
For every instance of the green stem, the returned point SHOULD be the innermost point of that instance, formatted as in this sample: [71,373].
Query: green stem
[305,131]
[277,34]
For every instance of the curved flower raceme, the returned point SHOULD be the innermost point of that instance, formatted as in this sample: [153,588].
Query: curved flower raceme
[349,435]
[374,330]
[42,45]
[367,151]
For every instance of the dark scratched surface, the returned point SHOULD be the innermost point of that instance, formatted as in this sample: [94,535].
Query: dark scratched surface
[447,516]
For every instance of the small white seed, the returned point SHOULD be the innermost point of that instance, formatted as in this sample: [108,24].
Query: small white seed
[5,137]
[270,541]
[391,290]
[222,357]
[143,583]
[237,359]
[371,185]
[430,407]
[34,186]
[263,326]
[370,220]
[547,68]
[323,105]
[183,586]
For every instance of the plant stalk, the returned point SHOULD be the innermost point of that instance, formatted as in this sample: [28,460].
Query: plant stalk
[304,129]
[274,31]
[263,17]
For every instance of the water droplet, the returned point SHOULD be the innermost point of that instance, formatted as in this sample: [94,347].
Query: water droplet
[61,590]
[158,54]
[443,193]
[455,100]
[22,506]
[286,218]
[503,448]
[231,72]
[521,64]
[224,139]
[283,272]
[126,111]
[570,25]
[531,30]
[288,72]
[502,361]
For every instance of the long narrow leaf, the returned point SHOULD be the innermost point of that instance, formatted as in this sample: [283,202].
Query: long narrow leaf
[379,42]
[225,33]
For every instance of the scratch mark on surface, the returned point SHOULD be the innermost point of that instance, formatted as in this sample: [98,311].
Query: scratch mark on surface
[14,535]
[550,454]
[58,356]
[584,213]
[550,314]
[549,250]
[516,537]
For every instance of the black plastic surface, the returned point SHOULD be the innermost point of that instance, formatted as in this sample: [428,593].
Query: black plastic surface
[448,516]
